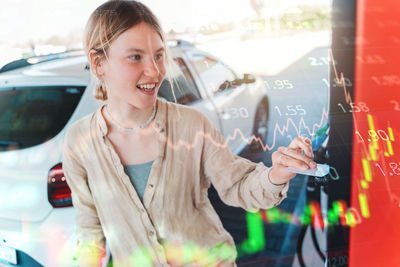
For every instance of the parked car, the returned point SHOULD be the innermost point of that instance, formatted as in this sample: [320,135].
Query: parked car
[39,99]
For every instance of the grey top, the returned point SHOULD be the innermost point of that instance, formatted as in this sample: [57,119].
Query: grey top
[139,174]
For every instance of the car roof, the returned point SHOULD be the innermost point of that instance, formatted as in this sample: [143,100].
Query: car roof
[68,69]
[61,70]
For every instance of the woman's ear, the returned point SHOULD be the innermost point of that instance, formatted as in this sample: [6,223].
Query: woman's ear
[95,62]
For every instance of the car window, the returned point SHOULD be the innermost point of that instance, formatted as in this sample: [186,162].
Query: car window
[32,115]
[184,86]
[215,75]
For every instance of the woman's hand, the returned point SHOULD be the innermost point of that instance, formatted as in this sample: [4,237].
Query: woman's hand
[291,156]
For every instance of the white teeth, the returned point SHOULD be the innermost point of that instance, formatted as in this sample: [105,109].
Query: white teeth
[147,87]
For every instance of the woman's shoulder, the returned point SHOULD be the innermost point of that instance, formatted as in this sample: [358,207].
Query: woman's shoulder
[80,126]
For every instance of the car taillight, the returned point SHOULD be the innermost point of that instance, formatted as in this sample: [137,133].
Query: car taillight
[58,191]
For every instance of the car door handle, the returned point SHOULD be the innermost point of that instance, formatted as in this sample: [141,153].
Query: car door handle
[224,114]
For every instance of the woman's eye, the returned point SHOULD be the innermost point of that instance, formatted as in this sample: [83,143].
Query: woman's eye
[135,57]
[159,56]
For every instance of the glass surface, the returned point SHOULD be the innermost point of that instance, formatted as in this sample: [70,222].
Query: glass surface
[184,86]
[213,73]
[33,115]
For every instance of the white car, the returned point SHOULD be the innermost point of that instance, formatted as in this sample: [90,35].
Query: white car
[40,97]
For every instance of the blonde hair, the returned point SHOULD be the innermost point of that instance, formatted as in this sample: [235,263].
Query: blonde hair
[110,20]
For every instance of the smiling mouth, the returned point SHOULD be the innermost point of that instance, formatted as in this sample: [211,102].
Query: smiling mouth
[148,87]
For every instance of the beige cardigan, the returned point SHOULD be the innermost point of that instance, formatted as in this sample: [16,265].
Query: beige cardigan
[175,224]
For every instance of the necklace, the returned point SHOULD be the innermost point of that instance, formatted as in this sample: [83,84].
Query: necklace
[124,129]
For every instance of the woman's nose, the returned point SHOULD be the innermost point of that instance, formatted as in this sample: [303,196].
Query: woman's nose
[151,68]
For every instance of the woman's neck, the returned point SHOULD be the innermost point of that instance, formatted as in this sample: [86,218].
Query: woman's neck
[128,116]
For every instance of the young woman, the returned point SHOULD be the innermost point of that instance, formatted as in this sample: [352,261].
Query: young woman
[139,168]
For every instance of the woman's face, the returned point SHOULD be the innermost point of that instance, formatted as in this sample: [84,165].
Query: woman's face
[135,68]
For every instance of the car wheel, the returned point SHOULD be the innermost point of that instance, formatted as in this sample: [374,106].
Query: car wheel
[260,128]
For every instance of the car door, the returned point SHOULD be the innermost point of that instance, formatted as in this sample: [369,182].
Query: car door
[230,99]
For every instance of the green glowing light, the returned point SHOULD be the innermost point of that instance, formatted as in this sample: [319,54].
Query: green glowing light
[305,218]
[367,170]
[372,152]
[364,205]
[273,215]
[333,217]
[390,148]
[141,257]
[255,228]
[372,127]
[351,221]
[334,213]
[391,133]
[364,184]
[187,253]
